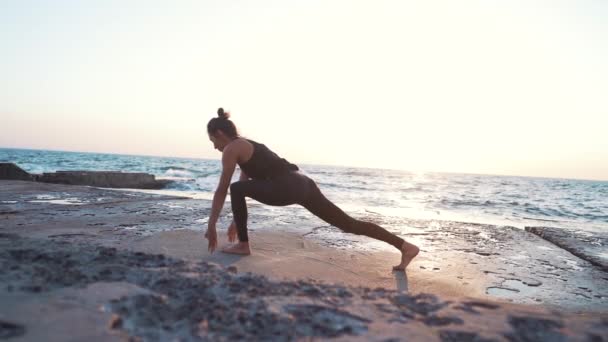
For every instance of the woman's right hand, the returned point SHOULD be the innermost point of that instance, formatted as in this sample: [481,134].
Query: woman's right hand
[211,235]
[232,235]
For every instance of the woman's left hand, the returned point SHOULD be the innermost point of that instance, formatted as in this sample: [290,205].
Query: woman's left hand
[211,235]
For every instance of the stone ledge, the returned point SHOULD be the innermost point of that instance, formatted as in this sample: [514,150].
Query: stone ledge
[104,179]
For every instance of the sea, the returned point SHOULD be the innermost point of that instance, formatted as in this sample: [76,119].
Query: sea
[488,199]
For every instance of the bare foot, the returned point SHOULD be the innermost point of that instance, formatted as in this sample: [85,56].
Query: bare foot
[408,252]
[241,248]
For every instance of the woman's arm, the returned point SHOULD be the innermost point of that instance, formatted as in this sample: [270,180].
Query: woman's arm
[228,166]
[229,158]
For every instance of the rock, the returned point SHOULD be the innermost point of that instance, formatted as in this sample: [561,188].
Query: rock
[104,179]
[232,269]
[585,245]
[527,328]
[14,172]
[115,322]
[435,320]
[325,321]
[9,330]
[458,336]
[423,303]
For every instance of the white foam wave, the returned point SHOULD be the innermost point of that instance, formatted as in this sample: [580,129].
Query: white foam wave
[178,174]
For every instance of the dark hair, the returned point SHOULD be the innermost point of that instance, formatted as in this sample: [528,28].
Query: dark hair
[222,123]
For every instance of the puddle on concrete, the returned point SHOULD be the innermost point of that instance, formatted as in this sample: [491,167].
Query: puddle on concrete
[514,288]
[515,284]
[172,206]
[48,198]
[67,201]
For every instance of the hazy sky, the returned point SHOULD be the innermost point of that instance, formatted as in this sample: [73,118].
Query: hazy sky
[499,87]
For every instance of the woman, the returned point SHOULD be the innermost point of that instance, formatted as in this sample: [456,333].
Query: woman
[272,180]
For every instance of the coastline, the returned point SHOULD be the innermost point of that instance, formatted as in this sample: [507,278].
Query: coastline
[511,272]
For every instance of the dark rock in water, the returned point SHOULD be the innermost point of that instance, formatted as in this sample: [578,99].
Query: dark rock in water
[589,246]
[14,172]
[104,179]
[9,330]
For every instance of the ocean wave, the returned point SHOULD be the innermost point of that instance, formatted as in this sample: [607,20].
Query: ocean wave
[457,203]
[184,185]
[174,167]
[129,165]
[177,174]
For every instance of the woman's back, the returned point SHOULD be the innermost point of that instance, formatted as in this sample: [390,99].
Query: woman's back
[265,164]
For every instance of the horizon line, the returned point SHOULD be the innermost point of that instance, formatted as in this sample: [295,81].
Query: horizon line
[313,164]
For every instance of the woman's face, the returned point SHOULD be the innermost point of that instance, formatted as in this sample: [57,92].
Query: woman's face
[217,141]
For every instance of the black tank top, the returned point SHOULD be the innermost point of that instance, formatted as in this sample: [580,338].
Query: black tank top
[265,164]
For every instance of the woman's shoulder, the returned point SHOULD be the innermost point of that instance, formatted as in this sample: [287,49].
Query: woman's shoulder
[245,142]
[246,146]
[243,148]
[241,141]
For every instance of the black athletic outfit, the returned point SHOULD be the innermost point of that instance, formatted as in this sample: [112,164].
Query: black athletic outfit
[275,181]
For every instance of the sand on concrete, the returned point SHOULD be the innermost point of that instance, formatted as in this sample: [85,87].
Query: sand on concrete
[287,255]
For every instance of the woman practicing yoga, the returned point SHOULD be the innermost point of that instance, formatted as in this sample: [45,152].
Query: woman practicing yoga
[272,180]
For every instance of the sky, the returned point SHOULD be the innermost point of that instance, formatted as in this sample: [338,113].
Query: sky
[491,87]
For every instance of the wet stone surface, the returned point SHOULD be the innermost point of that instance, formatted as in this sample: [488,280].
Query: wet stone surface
[83,237]
[517,266]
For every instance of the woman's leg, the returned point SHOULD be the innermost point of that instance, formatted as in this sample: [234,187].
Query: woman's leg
[323,208]
[285,190]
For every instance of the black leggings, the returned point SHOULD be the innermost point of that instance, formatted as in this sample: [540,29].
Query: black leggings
[297,188]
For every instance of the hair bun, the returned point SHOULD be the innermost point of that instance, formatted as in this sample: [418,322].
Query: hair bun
[221,114]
